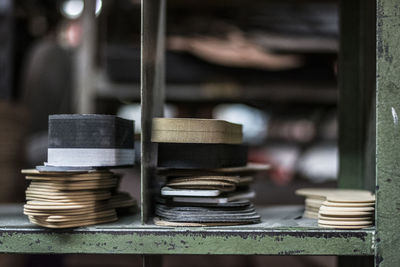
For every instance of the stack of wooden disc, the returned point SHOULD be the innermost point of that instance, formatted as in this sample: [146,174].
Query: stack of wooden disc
[70,199]
[347,211]
[339,208]
[207,176]
[314,199]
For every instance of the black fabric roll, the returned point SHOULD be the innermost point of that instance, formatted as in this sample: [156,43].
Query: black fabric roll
[90,131]
[201,156]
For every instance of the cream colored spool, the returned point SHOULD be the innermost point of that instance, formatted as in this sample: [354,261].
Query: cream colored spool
[204,131]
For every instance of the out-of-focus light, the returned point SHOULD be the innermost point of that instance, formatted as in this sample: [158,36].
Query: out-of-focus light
[72,9]
[99,5]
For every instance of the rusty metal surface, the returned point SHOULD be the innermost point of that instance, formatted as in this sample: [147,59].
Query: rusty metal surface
[282,232]
[388,133]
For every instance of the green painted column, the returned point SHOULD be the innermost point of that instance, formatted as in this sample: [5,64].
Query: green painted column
[356,94]
[387,133]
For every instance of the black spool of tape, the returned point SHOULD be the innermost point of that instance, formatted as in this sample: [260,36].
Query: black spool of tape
[201,156]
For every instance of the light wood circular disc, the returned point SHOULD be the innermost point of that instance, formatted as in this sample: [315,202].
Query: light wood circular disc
[346,209]
[347,204]
[187,130]
[73,224]
[338,218]
[43,197]
[89,216]
[314,202]
[344,223]
[348,198]
[312,209]
[69,179]
[55,206]
[345,226]
[349,214]
[332,192]
[58,203]
[64,212]
[71,187]
[311,215]
[55,192]
[75,173]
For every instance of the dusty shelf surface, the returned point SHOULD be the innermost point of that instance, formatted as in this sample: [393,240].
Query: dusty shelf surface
[282,231]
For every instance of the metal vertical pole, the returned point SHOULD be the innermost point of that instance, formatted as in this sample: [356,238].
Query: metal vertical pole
[356,94]
[152,99]
[152,90]
[351,95]
[357,101]
[84,93]
[387,133]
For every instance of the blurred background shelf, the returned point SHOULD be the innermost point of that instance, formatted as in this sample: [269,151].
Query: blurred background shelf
[282,232]
[306,92]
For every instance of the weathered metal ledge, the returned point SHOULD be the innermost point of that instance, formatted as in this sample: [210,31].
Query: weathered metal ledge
[282,232]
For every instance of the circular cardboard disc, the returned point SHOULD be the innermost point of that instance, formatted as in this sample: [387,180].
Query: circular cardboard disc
[348,204]
[350,214]
[345,226]
[338,218]
[72,224]
[311,215]
[348,198]
[344,223]
[346,209]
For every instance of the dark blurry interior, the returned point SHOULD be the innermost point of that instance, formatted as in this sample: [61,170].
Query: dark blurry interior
[269,65]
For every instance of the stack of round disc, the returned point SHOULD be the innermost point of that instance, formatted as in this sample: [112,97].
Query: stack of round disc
[314,199]
[207,176]
[347,211]
[317,197]
[67,199]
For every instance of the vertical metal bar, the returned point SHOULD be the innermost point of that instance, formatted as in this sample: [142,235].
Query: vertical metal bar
[152,90]
[6,35]
[350,97]
[387,133]
[356,94]
[357,101]
[84,93]
[368,84]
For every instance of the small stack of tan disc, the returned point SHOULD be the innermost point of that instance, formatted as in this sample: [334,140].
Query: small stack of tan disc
[69,199]
[339,208]
[188,130]
[347,211]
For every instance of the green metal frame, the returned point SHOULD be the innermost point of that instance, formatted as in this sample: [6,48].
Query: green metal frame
[369,152]
[387,133]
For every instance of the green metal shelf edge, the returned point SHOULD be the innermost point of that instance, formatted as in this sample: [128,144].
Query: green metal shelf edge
[129,237]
